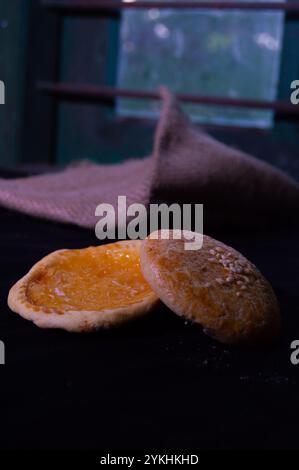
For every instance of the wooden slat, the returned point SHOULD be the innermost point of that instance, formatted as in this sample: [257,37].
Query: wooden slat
[98,6]
[67,91]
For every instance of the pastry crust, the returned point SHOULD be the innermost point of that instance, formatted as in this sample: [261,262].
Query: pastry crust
[74,320]
[215,286]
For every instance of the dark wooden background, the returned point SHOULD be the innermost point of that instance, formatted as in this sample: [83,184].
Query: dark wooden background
[36,129]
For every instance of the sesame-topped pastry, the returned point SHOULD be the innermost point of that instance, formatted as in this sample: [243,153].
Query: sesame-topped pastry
[215,286]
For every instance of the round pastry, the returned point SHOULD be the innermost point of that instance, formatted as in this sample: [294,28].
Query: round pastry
[215,286]
[86,289]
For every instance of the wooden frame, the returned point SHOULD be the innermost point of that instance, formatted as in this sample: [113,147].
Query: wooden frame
[82,92]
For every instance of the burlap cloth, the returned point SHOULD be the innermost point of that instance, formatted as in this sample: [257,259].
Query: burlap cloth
[187,165]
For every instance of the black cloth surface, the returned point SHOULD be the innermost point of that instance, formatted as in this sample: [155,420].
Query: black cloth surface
[157,383]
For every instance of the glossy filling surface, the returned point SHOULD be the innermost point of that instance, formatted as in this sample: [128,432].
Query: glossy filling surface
[95,278]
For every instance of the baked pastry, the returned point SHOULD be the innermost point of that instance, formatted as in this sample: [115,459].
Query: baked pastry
[86,289]
[215,286]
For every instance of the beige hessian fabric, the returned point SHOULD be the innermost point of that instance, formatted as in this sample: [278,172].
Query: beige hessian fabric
[186,166]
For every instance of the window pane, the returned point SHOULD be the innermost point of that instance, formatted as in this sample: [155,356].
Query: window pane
[226,53]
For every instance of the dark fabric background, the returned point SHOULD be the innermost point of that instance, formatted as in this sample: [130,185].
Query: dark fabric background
[156,383]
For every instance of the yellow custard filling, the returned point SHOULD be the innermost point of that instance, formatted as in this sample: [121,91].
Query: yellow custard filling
[95,278]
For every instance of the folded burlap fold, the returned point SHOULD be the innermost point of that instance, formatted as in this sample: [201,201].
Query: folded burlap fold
[187,166]
[236,189]
[73,194]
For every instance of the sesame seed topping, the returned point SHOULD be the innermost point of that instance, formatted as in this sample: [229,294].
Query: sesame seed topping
[229,279]
[219,280]
[243,287]
[212,252]
[238,294]
[218,249]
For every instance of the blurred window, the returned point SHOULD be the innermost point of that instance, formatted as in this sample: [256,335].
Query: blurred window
[226,53]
